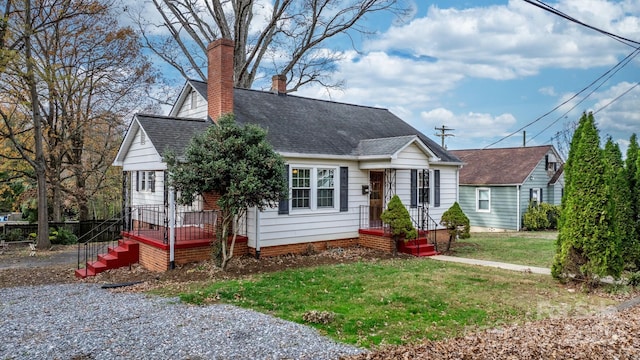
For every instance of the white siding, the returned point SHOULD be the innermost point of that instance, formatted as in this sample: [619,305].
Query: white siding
[306,225]
[411,158]
[142,156]
[448,190]
[185,110]
[146,197]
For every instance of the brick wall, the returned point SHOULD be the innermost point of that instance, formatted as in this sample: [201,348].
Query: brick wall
[378,242]
[304,247]
[153,258]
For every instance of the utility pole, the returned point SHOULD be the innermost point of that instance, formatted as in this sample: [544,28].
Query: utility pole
[443,134]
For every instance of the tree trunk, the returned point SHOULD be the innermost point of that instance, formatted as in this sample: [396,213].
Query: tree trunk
[39,162]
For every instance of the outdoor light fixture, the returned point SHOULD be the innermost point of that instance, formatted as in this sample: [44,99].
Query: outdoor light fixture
[365,189]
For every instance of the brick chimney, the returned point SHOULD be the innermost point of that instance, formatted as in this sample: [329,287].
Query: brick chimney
[279,84]
[220,78]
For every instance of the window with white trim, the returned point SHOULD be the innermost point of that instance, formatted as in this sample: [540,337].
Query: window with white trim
[300,188]
[194,99]
[423,186]
[146,181]
[313,188]
[483,200]
[325,188]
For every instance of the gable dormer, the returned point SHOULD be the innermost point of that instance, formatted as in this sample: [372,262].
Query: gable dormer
[192,102]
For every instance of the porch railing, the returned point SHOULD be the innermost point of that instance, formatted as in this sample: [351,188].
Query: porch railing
[152,222]
[93,242]
[370,215]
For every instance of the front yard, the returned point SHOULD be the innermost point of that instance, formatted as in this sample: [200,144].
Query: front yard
[523,248]
[402,301]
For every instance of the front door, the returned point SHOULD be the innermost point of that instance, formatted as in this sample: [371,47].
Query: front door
[376,198]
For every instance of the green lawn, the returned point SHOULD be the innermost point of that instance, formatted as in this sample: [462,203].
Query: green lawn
[524,248]
[401,301]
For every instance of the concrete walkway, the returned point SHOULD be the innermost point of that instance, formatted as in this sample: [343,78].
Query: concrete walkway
[495,264]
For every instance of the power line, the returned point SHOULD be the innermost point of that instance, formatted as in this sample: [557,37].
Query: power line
[617,67]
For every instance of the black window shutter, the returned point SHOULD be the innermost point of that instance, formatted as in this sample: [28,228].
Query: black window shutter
[137,180]
[436,188]
[414,188]
[546,162]
[541,195]
[283,206]
[152,180]
[344,188]
[530,194]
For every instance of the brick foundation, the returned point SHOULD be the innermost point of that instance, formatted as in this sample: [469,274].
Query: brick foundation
[304,247]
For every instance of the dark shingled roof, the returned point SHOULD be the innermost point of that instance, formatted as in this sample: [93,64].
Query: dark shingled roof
[506,166]
[311,126]
[170,133]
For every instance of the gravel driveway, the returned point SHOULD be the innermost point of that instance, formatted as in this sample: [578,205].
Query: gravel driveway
[83,321]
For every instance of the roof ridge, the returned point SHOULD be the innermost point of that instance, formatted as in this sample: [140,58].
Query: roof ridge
[505,148]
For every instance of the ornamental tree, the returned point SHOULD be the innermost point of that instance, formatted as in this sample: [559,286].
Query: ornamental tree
[456,222]
[397,217]
[236,162]
[587,249]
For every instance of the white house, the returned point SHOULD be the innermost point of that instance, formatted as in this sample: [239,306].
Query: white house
[344,163]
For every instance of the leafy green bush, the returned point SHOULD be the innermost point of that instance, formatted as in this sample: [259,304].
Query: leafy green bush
[397,217]
[13,235]
[62,236]
[541,216]
[634,279]
[457,224]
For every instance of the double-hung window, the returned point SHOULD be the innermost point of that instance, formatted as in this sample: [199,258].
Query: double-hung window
[423,187]
[483,200]
[313,188]
[146,181]
[325,188]
[300,188]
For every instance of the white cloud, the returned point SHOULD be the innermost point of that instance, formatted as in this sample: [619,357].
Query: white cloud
[472,130]
[621,114]
[547,90]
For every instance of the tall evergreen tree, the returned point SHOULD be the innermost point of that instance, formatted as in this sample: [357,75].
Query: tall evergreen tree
[586,248]
[622,226]
[633,157]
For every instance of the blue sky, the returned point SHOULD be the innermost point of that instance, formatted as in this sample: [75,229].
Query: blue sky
[487,68]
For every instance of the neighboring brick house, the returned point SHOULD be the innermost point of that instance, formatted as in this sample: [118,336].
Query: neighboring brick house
[344,162]
[496,185]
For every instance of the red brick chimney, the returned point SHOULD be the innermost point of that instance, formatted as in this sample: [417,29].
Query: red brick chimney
[279,84]
[220,78]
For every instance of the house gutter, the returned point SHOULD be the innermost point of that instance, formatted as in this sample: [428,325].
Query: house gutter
[257,233]
[517,207]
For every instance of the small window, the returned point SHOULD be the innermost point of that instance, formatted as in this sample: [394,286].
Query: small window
[483,200]
[423,187]
[143,138]
[147,181]
[535,196]
[300,188]
[194,99]
[325,188]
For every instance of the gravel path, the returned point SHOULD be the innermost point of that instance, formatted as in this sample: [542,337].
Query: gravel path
[83,321]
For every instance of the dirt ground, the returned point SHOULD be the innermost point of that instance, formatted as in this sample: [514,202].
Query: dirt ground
[57,266]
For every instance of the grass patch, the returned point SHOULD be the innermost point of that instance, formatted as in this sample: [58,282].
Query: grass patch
[533,249]
[399,301]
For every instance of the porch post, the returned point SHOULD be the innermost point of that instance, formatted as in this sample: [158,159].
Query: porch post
[172,227]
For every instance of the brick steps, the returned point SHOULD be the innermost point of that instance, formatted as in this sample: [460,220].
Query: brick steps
[126,253]
[418,247]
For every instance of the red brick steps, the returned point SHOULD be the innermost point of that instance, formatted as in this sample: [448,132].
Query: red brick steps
[418,247]
[126,253]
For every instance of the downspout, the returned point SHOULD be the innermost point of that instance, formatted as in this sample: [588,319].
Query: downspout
[517,207]
[172,227]
[257,233]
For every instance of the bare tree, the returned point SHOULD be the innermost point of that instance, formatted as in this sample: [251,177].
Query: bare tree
[286,37]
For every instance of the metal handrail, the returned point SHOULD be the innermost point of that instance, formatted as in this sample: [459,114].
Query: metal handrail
[95,250]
